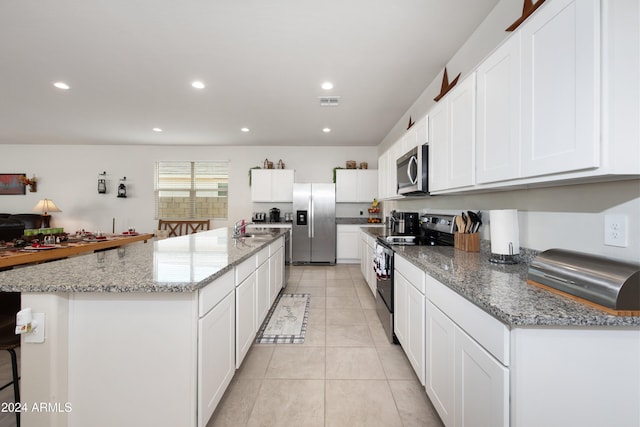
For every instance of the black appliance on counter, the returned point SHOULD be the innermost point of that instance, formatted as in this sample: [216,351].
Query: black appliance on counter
[274,215]
[405,223]
[435,230]
[259,217]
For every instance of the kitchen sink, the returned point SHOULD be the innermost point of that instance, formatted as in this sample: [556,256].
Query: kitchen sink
[253,234]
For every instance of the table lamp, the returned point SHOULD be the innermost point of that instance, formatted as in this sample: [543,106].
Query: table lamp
[43,207]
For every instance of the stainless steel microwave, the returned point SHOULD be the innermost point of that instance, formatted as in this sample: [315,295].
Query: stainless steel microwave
[413,170]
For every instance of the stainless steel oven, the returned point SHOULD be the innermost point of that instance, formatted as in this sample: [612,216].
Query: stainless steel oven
[383,265]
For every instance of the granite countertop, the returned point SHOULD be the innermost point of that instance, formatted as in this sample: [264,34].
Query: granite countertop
[177,264]
[502,290]
[355,221]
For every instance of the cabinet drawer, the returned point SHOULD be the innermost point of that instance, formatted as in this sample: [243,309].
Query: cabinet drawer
[273,247]
[412,273]
[488,331]
[213,293]
[262,256]
[245,268]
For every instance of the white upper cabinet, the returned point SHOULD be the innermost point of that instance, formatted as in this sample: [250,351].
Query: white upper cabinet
[272,185]
[452,138]
[560,88]
[417,135]
[383,176]
[498,114]
[356,185]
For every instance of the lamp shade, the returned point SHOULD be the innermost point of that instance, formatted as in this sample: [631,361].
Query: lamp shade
[45,206]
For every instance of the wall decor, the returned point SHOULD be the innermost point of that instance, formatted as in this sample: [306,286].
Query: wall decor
[446,86]
[31,182]
[411,123]
[527,10]
[102,183]
[12,183]
[122,188]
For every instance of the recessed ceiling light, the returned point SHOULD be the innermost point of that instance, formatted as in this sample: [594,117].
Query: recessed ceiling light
[157,129]
[62,85]
[198,84]
[327,85]
[326,130]
[245,129]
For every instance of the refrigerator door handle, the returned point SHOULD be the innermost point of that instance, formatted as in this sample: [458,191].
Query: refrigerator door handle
[310,224]
[313,217]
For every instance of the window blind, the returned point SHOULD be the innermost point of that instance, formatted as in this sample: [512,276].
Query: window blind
[191,190]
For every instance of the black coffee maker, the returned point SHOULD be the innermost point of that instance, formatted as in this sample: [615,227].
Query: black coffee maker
[405,223]
[274,215]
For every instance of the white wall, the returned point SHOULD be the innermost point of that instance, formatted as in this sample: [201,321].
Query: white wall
[68,175]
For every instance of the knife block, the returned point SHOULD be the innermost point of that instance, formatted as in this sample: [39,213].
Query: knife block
[468,242]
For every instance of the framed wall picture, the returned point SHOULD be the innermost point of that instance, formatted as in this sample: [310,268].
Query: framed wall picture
[12,183]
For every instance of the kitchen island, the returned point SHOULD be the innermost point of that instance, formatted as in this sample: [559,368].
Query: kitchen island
[139,335]
[491,348]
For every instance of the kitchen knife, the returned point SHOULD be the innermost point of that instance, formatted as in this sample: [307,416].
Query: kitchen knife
[474,221]
[465,222]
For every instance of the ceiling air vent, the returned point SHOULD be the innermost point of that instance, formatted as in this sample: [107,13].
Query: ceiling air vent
[329,101]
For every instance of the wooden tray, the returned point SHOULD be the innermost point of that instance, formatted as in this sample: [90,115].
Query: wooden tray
[587,302]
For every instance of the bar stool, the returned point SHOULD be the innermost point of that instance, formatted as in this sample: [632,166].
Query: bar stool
[9,341]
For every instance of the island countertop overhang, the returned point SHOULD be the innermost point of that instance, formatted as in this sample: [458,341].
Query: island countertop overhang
[178,264]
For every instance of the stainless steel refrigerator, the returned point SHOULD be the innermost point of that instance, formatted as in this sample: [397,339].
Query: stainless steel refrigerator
[314,225]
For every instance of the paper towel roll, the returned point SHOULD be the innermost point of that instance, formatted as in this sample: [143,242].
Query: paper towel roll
[505,238]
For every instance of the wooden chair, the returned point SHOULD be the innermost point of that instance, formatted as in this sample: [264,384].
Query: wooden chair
[182,227]
[9,341]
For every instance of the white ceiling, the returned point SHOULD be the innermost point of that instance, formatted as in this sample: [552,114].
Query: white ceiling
[130,64]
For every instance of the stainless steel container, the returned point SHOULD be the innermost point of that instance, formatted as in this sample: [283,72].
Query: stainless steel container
[606,282]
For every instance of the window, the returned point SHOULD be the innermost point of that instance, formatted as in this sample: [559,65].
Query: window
[191,190]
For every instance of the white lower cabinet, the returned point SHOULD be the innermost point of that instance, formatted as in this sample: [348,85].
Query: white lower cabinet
[400,310]
[440,370]
[276,270]
[481,385]
[216,356]
[367,250]
[468,385]
[347,243]
[409,313]
[245,317]
[263,301]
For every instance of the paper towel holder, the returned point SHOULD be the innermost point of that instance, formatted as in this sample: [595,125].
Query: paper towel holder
[504,258]
[505,239]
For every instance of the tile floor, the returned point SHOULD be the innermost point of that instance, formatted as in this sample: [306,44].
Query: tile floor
[345,374]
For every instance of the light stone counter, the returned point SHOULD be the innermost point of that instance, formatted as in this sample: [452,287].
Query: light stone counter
[502,290]
[178,264]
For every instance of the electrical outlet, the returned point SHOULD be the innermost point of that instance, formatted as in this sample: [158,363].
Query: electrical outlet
[615,230]
[37,334]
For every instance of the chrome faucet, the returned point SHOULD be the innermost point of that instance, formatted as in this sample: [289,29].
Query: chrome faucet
[239,228]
